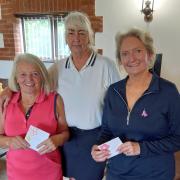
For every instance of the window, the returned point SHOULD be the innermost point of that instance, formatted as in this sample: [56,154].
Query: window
[44,37]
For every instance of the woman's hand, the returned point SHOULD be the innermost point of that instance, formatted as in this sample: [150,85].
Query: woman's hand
[17,142]
[99,155]
[48,145]
[5,96]
[129,148]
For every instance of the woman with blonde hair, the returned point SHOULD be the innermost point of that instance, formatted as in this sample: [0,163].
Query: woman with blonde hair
[32,104]
[143,111]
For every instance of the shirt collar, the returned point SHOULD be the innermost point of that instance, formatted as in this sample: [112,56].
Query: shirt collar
[17,95]
[90,62]
[153,87]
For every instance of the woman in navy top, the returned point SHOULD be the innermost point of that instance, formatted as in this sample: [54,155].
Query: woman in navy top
[143,110]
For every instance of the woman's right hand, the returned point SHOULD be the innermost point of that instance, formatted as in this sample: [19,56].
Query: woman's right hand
[17,142]
[5,96]
[99,155]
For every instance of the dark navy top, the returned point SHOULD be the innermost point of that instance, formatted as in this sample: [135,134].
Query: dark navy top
[154,122]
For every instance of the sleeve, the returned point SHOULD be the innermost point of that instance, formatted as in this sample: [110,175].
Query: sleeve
[171,142]
[105,134]
[53,76]
[113,73]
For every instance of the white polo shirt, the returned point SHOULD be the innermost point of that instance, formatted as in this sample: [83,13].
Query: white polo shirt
[83,91]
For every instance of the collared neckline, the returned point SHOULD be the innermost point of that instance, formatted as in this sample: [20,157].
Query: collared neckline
[154,85]
[40,98]
[90,62]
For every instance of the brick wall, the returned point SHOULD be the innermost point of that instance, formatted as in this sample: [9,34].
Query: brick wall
[10,26]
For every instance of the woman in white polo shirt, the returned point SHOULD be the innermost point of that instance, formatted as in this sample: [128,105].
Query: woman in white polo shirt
[83,79]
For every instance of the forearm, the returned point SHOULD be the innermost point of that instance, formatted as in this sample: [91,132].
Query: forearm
[167,144]
[61,138]
[5,141]
[105,136]
[4,98]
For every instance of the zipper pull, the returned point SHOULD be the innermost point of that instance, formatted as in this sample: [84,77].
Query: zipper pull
[128,116]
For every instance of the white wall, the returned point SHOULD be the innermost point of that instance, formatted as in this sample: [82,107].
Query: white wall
[165,28]
[6,66]
[5,69]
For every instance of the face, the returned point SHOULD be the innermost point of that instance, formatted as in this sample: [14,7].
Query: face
[134,56]
[28,78]
[77,40]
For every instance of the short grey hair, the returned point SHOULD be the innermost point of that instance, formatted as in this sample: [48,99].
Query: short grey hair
[79,20]
[143,36]
[34,60]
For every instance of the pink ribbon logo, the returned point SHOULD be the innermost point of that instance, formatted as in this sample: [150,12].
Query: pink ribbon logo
[144,113]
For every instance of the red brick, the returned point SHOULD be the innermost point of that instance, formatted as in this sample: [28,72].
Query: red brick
[10,26]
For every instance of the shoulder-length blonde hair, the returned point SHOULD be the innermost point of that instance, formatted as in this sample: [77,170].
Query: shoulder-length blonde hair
[34,60]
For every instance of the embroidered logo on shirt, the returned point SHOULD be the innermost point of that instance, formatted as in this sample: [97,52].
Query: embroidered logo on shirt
[144,113]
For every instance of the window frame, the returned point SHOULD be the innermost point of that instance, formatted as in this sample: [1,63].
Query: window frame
[54,31]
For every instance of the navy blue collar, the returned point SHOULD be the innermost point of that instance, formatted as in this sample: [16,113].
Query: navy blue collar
[90,63]
[154,86]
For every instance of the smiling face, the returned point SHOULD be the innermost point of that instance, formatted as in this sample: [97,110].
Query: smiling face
[28,78]
[134,56]
[77,40]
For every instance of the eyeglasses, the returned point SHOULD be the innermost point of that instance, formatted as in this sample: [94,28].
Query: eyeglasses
[137,53]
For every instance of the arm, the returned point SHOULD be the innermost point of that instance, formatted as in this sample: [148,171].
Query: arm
[59,139]
[167,144]
[171,142]
[5,96]
[16,142]
[63,127]
[105,135]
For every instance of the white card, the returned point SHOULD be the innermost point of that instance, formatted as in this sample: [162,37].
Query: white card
[35,136]
[112,146]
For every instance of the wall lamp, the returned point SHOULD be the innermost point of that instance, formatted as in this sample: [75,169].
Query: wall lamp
[147,10]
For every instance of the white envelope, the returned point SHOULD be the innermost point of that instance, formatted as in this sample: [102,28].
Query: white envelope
[35,136]
[112,146]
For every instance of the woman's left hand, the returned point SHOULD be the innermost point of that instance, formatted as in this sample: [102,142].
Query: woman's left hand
[129,148]
[47,146]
